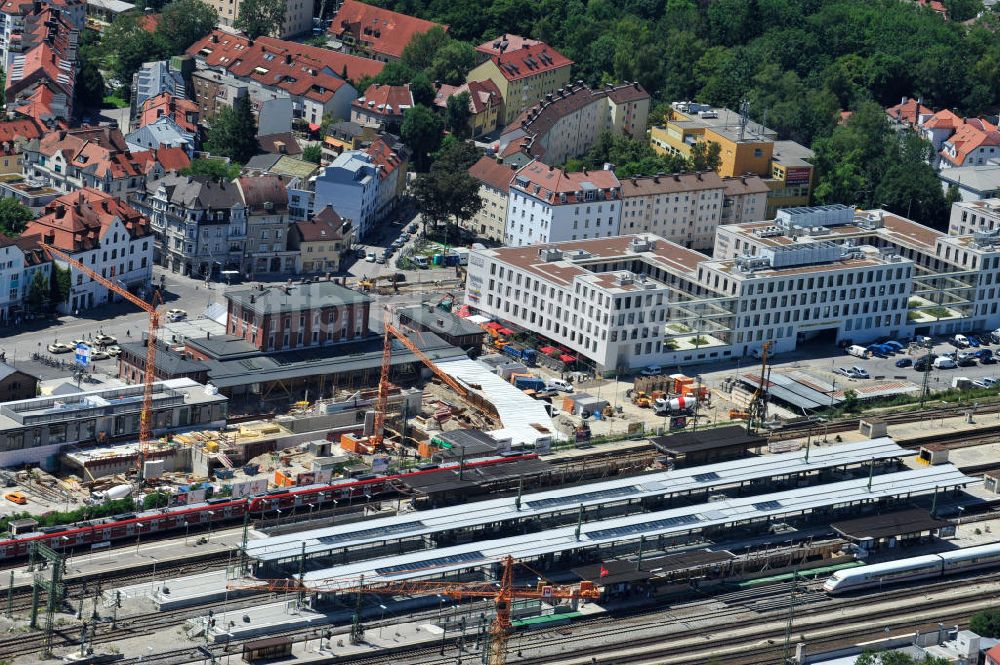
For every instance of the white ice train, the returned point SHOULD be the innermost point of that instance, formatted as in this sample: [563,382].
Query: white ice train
[916,568]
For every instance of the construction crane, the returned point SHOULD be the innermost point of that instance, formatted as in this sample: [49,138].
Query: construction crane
[758,403]
[146,415]
[377,439]
[502,594]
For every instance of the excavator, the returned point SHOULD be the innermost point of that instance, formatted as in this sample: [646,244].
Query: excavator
[369,284]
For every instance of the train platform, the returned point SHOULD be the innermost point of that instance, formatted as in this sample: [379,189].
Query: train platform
[140,557]
[248,622]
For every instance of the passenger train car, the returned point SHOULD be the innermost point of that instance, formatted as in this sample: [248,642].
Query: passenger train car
[102,532]
[915,568]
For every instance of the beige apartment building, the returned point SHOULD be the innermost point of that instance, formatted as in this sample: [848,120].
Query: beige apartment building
[494,186]
[523,75]
[298,15]
[686,208]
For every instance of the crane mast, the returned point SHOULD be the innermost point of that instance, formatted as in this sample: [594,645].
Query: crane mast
[149,374]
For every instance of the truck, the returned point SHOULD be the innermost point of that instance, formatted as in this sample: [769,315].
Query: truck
[528,383]
[858,351]
[528,356]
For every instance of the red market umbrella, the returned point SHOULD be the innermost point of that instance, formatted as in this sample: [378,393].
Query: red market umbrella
[547,349]
[505,331]
[492,325]
[566,358]
[464,311]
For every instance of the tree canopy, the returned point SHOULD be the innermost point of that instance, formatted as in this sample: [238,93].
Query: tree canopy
[260,17]
[183,22]
[216,168]
[986,622]
[14,216]
[234,132]
[126,45]
[447,193]
[421,131]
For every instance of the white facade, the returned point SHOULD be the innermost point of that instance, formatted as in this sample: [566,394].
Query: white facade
[546,204]
[117,257]
[682,208]
[16,274]
[968,217]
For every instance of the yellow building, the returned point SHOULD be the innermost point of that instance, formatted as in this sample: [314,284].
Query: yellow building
[320,241]
[522,75]
[744,148]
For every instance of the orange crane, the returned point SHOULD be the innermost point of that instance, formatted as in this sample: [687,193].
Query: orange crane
[502,594]
[146,415]
[382,401]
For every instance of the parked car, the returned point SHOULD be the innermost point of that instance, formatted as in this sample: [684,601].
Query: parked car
[16,497]
[944,362]
[175,315]
[114,350]
[560,385]
[967,361]
[105,340]
[981,340]
[421,261]
[380,260]
[370,258]
[59,347]
[904,362]
[651,370]
[894,344]
[77,342]
[985,356]
[985,382]
[973,341]
[960,341]
[859,372]
[99,354]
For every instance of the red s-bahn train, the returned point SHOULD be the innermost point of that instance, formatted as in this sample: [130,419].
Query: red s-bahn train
[104,531]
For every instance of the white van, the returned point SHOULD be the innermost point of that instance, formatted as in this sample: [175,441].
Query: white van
[559,384]
[944,362]
[961,341]
[858,351]
[421,261]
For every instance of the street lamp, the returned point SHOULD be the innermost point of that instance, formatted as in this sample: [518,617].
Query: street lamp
[277,521]
[381,621]
[211,516]
[138,534]
[186,531]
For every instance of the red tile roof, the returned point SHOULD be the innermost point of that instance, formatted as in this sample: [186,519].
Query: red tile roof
[150,22]
[381,99]
[943,119]
[77,221]
[529,61]
[493,173]
[548,183]
[383,155]
[302,70]
[183,111]
[908,111]
[384,32]
[506,42]
[482,95]
[12,131]
[325,225]
[170,158]
[262,189]
[968,138]
[101,151]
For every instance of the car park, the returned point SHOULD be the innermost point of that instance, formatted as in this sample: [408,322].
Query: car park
[904,362]
[59,347]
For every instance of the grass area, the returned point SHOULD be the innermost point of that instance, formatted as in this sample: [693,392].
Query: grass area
[915,303]
[937,312]
[114,102]
[671,345]
[699,341]
[679,328]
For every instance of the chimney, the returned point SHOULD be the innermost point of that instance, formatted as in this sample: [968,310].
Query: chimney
[288,58]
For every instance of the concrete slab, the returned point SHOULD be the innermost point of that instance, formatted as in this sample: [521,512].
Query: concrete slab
[250,622]
[985,456]
[191,590]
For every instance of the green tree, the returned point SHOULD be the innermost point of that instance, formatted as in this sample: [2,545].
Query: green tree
[705,156]
[183,22]
[871,657]
[422,90]
[234,132]
[457,114]
[89,89]
[452,62]
[259,18]
[421,131]
[155,500]
[14,216]
[38,293]
[986,622]
[447,194]
[61,283]
[851,402]
[313,153]
[126,45]
[215,168]
[419,54]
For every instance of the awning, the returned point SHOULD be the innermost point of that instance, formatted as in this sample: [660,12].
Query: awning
[505,331]
[464,311]
[567,359]
[547,349]
[492,325]
[313,127]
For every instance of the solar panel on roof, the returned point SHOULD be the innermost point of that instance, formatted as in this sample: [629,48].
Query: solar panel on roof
[767,505]
[377,532]
[613,493]
[705,477]
[427,564]
[633,529]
